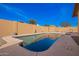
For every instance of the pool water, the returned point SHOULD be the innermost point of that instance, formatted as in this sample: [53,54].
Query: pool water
[40,45]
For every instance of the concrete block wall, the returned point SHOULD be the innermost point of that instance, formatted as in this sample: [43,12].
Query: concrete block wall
[12,27]
[7,27]
[26,28]
[52,29]
[40,29]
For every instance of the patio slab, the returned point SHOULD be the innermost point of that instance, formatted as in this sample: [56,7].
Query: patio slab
[16,50]
[63,47]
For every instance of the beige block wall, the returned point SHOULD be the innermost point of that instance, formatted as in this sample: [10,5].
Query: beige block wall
[64,29]
[7,27]
[75,29]
[24,28]
[52,29]
[68,29]
[11,27]
[41,29]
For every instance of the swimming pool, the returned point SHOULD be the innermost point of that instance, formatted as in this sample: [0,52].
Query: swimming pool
[39,42]
[40,45]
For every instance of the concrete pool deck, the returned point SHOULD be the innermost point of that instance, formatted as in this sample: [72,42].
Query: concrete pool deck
[16,50]
[65,46]
[10,41]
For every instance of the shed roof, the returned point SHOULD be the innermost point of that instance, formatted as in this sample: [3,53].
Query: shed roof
[75,13]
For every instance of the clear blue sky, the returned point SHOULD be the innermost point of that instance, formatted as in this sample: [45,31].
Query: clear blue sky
[45,13]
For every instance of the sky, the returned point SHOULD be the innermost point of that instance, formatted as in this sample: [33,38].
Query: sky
[43,13]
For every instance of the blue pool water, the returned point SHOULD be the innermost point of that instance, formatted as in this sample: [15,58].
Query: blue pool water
[40,45]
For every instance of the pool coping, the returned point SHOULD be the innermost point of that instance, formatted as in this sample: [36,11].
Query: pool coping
[38,33]
[10,41]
